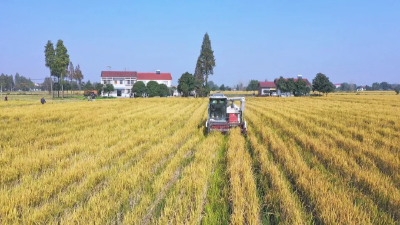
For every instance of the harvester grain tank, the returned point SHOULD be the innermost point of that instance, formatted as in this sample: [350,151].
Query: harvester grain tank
[224,115]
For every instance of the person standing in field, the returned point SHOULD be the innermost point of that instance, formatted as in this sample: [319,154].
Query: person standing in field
[6,98]
[42,101]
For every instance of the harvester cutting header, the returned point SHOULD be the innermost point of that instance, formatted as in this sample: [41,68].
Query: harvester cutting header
[223,114]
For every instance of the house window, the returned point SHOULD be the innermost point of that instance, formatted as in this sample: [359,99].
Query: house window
[121,82]
[115,82]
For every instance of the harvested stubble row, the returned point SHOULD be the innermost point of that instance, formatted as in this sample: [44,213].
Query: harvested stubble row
[330,204]
[279,198]
[327,160]
[184,204]
[60,189]
[243,191]
[350,164]
[352,142]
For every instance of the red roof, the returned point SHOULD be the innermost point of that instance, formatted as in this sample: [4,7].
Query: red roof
[154,76]
[118,74]
[267,84]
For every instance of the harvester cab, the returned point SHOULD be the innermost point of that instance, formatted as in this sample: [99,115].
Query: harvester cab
[223,114]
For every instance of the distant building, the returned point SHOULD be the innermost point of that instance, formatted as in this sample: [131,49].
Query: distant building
[361,88]
[124,80]
[337,85]
[265,88]
[268,88]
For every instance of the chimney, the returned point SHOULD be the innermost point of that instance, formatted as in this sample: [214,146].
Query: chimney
[299,76]
[158,71]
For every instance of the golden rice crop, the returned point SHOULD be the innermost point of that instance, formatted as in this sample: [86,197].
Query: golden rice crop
[243,193]
[321,160]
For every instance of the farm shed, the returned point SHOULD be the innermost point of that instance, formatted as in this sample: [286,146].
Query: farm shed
[265,88]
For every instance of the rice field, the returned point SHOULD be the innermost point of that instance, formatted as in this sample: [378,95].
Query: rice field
[307,160]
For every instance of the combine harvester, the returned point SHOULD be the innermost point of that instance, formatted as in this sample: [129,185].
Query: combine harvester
[224,115]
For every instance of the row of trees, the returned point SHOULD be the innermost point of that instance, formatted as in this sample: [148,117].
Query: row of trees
[8,83]
[58,62]
[348,87]
[152,89]
[298,87]
[385,86]
[214,87]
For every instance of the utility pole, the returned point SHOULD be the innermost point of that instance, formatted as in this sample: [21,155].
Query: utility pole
[1,90]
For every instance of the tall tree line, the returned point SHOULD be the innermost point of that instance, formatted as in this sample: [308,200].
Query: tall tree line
[60,67]
[7,82]
[204,67]
[10,83]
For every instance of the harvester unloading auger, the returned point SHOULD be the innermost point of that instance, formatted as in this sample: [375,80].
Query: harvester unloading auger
[224,115]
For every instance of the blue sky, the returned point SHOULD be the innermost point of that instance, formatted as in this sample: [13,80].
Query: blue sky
[349,41]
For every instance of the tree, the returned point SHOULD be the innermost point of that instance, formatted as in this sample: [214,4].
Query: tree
[99,88]
[205,63]
[240,86]
[172,90]
[348,87]
[376,86]
[108,89]
[352,86]
[210,84]
[186,84]
[139,88]
[88,86]
[291,85]
[253,85]
[50,54]
[344,87]
[61,62]
[78,76]
[397,89]
[153,88]
[385,86]
[281,84]
[7,82]
[22,83]
[163,90]
[198,74]
[322,84]
[301,87]
[70,73]
[56,86]
[222,88]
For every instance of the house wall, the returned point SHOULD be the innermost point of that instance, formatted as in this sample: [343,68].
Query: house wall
[124,84]
[261,91]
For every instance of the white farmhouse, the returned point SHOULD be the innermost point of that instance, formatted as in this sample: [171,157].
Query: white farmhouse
[124,80]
